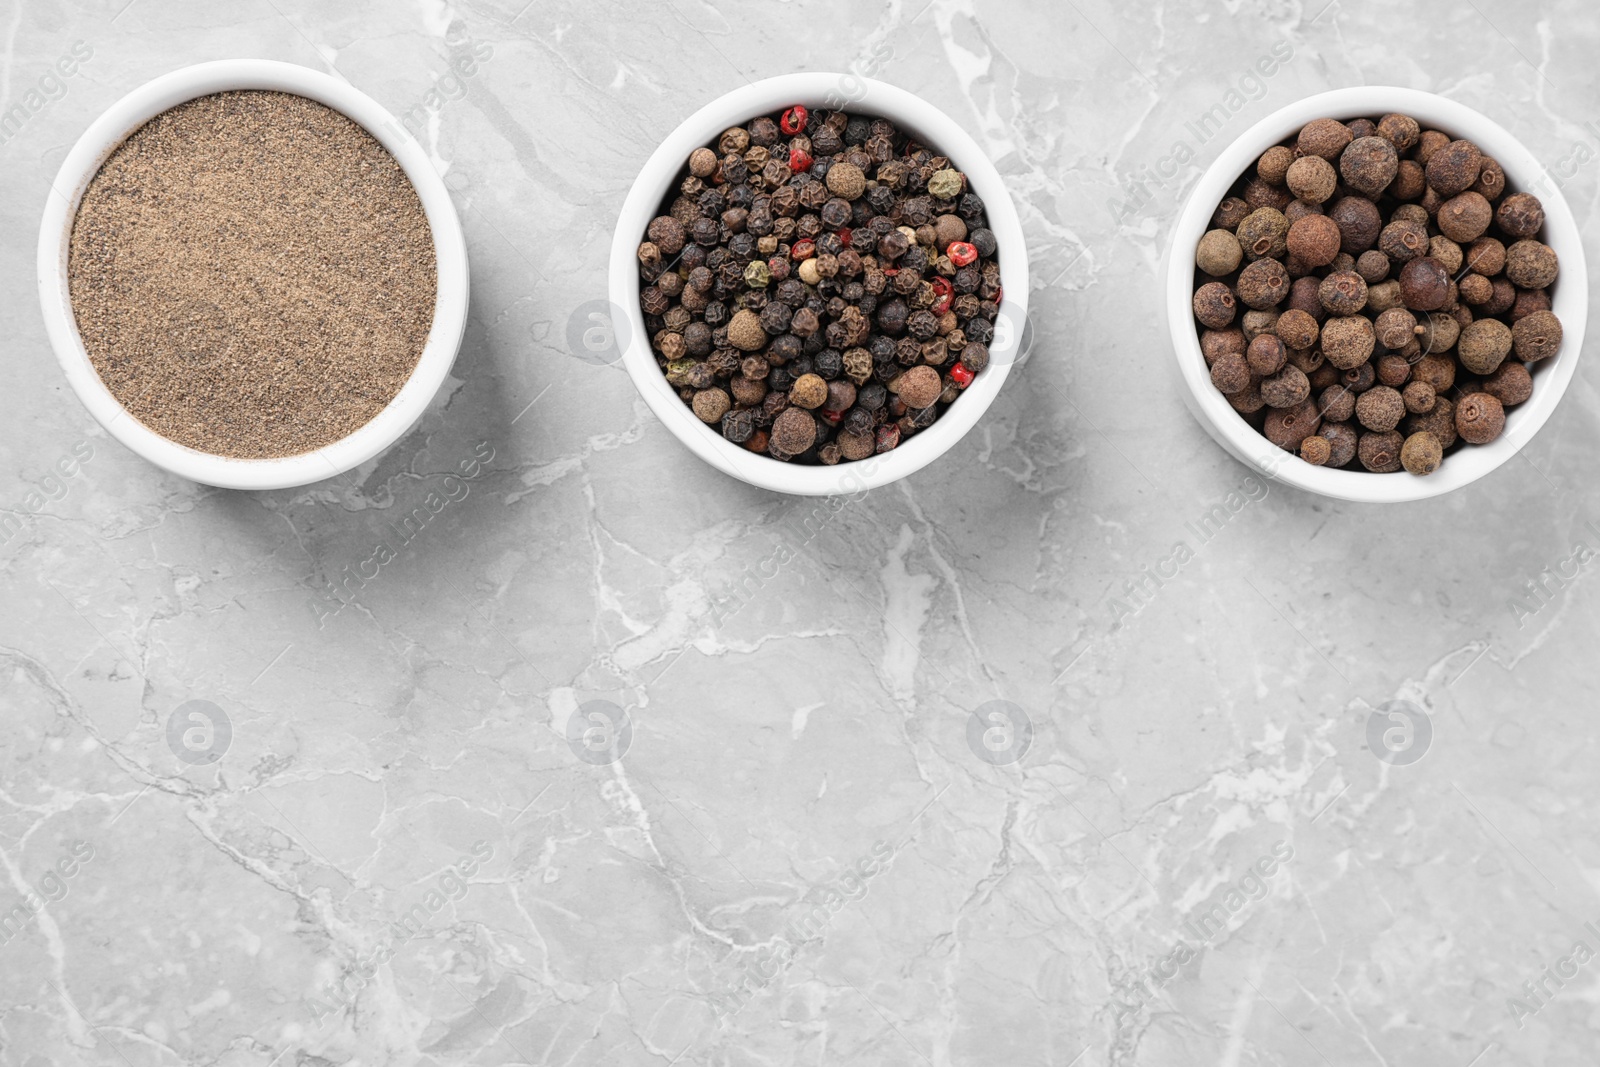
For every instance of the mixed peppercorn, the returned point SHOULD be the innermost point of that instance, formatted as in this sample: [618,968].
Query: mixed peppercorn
[820,286]
[1374,294]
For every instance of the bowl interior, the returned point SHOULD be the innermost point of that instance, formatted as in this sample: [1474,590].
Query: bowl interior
[1569,295]
[828,92]
[125,117]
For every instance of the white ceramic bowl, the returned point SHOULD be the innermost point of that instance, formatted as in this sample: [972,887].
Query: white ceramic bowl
[450,249]
[826,92]
[1524,173]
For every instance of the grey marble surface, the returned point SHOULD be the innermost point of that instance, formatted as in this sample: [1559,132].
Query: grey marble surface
[803,856]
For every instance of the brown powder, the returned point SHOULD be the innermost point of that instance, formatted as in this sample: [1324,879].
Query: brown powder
[252,275]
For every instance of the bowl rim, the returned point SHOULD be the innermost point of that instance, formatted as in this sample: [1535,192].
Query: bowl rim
[859,94]
[1524,173]
[115,125]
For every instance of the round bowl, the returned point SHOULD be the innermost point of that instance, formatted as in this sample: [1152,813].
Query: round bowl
[826,92]
[1569,297]
[450,250]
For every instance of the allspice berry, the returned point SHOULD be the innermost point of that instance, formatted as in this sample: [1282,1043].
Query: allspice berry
[1510,384]
[917,387]
[811,391]
[1380,408]
[1520,215]
[1230,213]
[1474,289]
[1316,450]
[1368,165]
[846,180]
[793,431]
[1379,452]
[1341,437]
[1410,181]
[1337,403]
[1419,397]
[1528,301]
[1480,418]
[1312,179]
[1347,341]
[1421,453]
[1288,427]
[1373,266]
[1263,283]
[1530,264]
[1403,240]
[1323,137]
[1464,217]
[1264,232]
[1437,371]
[1214,305]
[1483,345]
[1314,239]
[1230,373]
[1453,168]
[1266,355]
[1536,336]
[1439,421]
[1218,253]
[1359,223]
[1402,131]
[1285,389]
[702,163]
[745,332]
[710,405]
[1343,292]
[1486,256]
[1424,284]
[1394,370]
[1214,343]
[1395,327]
[1297,329]
[1274,164]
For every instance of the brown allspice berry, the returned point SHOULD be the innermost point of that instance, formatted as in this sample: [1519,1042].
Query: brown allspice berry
[1394,370]
[1214,305]
[1360,378]
[1531,264]
[1491,180]
[702,162]
[918,387]
[1510,384]
[1394,327]
[1359,223]
[1230,213]
[1312,179]
[1453,168]
[1341,438]
[1368,165]
[1437,332]
[1447,252]
[1373,266]
[745,331]
[1411,213]
[1343,292]
[1503,298]
[1266,355]
[1380,408]
[793,431]
[1257,322]
[1480,418]
[1259,194]
[1324,377]
[1379,451]
[1316,450]
[1419,397]
[1336,403]
[1326,138]
[1299,209]
[1474,289]
[1347,341]
[1247,401]
[1528,301]
[1360,128]
[1218,253]
[1401,131]
[1403,240]
[811,391]
[1230,373]
[1274,164]
[1421,453]
[1440,421]
[1410,181]
[1214,343]
[1303,297]
[846,180]
[711,404]
[1384,295]
[1424,284]
[1296,328]
[1263,283]
[1520,215]
[1536,336]
[747,392]
[1464,217]
[1438,371]
[1485,256]
[1483,345]
[1264,232]
[1314,240]
[1429,142]
[1286,388]
[1308,360]
[1287,427]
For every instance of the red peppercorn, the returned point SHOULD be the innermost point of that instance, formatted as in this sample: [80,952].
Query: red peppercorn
[833,417]
[944,294]
[890,272]
[961,375]
[962,253]
[888,437]
[844,237]
[999,294]
[803,249]
[799,161]
[794,120]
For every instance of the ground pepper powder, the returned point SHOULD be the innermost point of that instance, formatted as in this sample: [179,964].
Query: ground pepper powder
[252,274]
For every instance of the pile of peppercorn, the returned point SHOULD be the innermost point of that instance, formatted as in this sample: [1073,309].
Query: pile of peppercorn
[820,286]
[1395,295]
